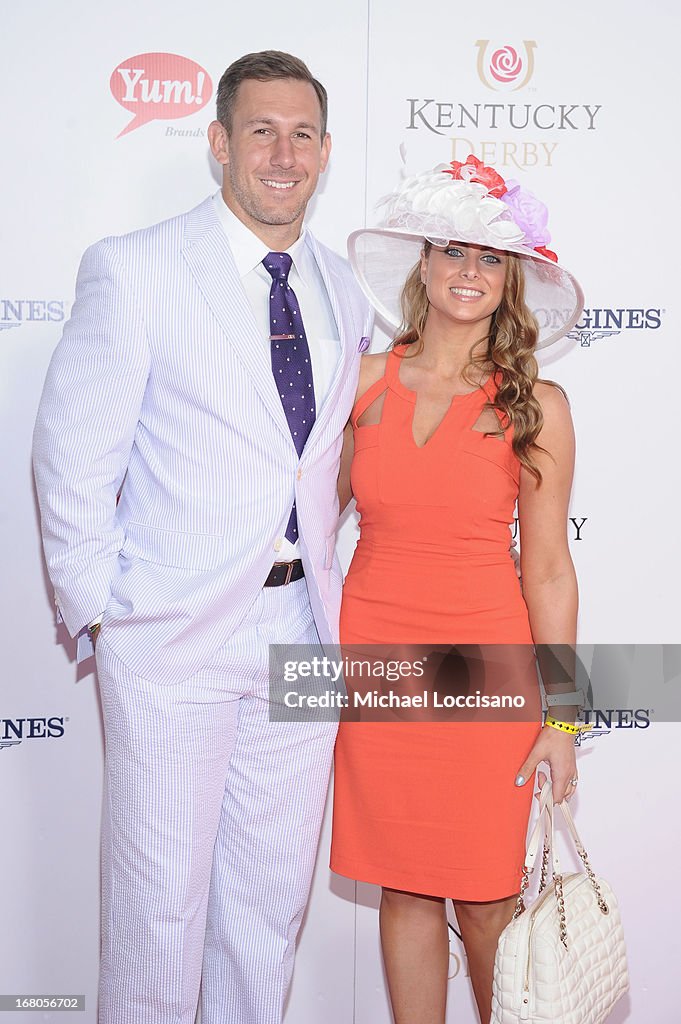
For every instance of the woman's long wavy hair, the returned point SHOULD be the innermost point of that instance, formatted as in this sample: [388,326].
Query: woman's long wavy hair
[509,354]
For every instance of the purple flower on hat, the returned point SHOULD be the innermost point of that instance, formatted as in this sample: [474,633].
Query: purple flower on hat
[529,214]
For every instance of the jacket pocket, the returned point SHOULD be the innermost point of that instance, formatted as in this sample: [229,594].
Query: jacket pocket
[193,551]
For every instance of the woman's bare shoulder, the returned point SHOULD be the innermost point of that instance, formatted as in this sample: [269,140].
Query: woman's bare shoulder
[553,400]
[371,369]
[557,434]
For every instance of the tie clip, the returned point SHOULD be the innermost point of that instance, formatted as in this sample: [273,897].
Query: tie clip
[282,337]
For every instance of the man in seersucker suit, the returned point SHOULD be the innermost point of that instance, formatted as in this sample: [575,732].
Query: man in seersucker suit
[176,383]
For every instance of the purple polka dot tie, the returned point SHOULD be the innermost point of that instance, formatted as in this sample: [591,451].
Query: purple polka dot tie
[291,363]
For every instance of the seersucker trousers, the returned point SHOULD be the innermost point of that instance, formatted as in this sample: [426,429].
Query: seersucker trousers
[211,822]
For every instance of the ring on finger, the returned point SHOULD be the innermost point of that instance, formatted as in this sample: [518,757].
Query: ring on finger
[573,782]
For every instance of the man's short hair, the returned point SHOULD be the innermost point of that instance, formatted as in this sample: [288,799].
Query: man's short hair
[266,66]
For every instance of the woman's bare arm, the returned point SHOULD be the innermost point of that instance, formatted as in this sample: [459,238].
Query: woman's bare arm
[371,369]
[549,580]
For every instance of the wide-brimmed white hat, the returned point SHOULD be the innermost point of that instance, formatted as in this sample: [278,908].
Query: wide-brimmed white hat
[465,202]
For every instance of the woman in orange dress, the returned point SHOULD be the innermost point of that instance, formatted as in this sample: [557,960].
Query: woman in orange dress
[450,428]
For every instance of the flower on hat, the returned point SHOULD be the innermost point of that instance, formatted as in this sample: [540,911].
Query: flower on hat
[529,213]
[546,252]
[474,170]
[470,202]
[440,208]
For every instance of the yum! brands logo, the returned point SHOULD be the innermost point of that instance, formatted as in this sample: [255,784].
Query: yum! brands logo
[505,67]
[159,87]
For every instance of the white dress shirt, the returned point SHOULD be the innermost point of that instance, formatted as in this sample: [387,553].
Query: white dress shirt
[307,282]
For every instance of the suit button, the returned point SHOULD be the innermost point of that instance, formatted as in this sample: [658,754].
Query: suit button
[277,544]
[300,474]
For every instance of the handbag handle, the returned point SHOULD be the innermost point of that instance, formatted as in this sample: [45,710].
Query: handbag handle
[540,827]
[544,827]
[579,846]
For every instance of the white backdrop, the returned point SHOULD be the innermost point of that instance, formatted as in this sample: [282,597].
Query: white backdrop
[588,118]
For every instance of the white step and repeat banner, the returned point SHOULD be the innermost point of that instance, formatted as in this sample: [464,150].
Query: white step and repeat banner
[580,103]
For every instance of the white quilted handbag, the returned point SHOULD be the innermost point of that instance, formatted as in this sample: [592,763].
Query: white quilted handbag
[561,961]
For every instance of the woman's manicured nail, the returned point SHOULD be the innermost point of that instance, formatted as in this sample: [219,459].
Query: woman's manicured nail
[520,780]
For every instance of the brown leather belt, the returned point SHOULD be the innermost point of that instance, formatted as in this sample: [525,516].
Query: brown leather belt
[283,573]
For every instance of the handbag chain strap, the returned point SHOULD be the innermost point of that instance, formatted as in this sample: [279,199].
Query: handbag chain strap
[562,926]
[544,864]
[520,902]
[602,905]
[546,807]
[542,824]
[579,846]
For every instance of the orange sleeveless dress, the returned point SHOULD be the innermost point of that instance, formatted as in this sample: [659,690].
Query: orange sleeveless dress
[431,806]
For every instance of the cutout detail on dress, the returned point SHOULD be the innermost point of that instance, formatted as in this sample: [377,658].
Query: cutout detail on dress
[489,422]
[371,415]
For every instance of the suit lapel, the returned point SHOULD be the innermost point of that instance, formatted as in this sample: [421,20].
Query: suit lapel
[209,258]
[348,332]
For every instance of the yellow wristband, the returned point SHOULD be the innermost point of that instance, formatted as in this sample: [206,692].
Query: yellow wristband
[569,727]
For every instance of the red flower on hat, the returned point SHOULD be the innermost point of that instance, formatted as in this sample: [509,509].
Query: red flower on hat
[474,170]
[546,252]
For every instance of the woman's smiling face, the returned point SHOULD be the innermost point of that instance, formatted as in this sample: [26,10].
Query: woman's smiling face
[464,283]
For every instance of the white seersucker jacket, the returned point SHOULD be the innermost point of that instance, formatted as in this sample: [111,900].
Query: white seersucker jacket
[161,388]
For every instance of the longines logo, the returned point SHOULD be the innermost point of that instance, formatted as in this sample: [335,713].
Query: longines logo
[505,68]
[15,312]
[14,731]
[617,718]
[604,322]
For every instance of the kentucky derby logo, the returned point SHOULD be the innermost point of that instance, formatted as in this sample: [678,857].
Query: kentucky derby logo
[505,68]
[159,86]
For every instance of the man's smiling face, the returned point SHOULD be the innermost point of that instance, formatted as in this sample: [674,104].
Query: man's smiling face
[274,155]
